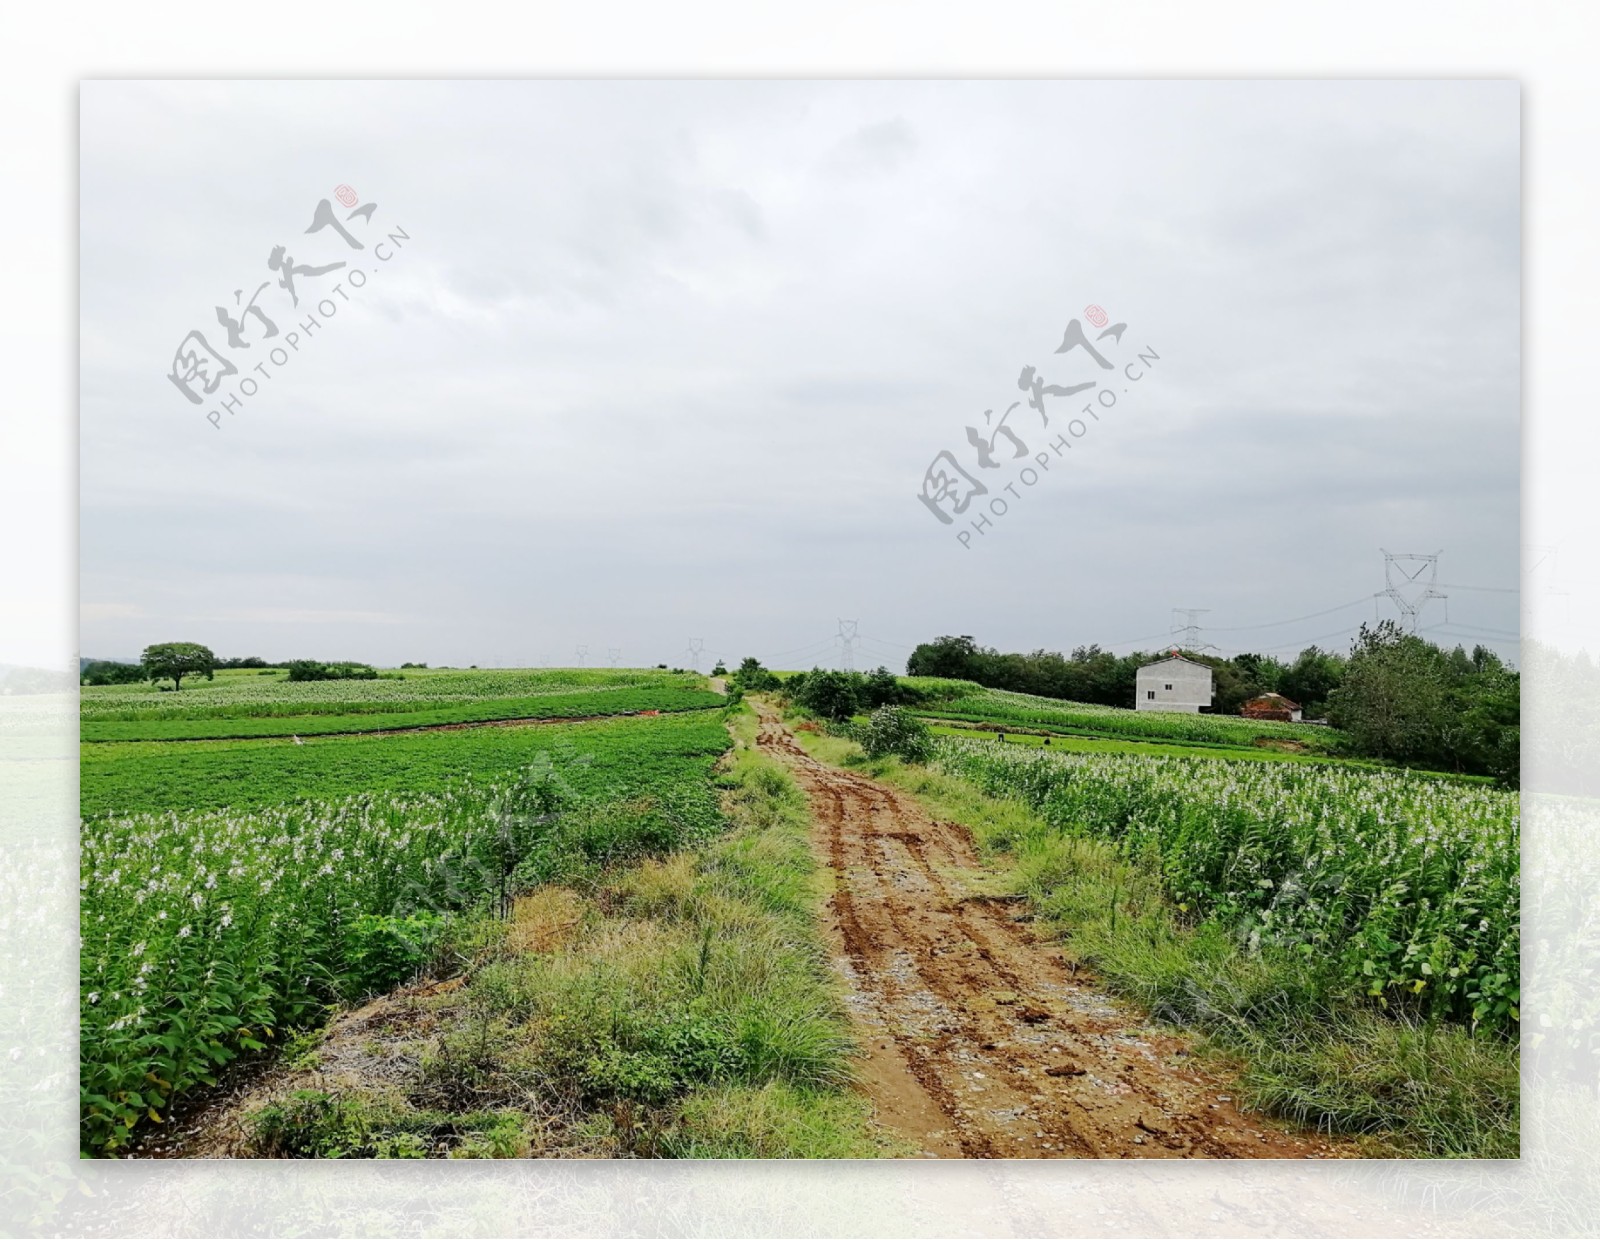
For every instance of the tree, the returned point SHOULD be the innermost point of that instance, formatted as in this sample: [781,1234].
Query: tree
[833,695]
[110,672]
[751,677]
[883,688]
[1392,700]
[1310,679]
[175,660]
[953,658]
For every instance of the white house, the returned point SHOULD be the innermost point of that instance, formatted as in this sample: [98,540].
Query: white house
[1174,683]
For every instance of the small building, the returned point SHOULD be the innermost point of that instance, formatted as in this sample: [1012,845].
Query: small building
[1175,683]
[1271,706]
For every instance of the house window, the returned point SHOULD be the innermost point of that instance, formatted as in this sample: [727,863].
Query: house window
[1168,688]
[1150,694]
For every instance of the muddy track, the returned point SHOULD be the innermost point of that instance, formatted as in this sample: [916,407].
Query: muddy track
[978,1039]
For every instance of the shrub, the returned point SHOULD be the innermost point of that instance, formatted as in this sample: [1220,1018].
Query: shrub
[833,695]
[311,669]
[106,672]
[751,677]
[894,730]
[385,950]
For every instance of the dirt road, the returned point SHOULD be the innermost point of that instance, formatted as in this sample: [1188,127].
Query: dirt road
[979,1041]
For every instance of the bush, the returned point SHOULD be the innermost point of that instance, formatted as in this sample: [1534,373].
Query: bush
[106,672]
[385,951]
[833,695]
[311,669]
[751,677]
[894,730]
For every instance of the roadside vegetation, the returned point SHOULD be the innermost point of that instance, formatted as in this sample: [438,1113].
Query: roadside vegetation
[677,1005]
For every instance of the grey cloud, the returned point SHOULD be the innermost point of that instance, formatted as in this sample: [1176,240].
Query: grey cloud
[671,357]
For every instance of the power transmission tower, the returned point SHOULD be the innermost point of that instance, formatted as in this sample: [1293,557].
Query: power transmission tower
[847,644]
[1409,580]
[696,645]
[614,654]
[1188,632]
[583,656]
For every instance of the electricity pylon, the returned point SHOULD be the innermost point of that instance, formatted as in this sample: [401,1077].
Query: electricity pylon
[1403,569]
[847,644]
[1190,628]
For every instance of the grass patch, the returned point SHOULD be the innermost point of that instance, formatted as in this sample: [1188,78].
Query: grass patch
[678,1006]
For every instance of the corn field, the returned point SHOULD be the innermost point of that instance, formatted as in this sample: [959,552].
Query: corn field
[1404,887]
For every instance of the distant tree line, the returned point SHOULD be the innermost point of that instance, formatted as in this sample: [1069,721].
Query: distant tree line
[1092,674]
[175,660]
[1396,695]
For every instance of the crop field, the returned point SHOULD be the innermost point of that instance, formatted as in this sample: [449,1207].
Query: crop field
[1403,888]
[618,917]
[181,775]
[244,703]
[1025,710]
[207,929]
[1077,742]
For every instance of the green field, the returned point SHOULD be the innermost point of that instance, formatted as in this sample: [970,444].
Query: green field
[236,891]
[243,703]
[978,705]
[144,776]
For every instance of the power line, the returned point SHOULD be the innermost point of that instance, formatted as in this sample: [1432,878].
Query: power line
[1472,630]
[1274,624]
[816,645]
[1308,641]
[1485,589]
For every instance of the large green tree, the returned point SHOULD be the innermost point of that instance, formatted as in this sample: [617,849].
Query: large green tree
[1392,700]
[175,660]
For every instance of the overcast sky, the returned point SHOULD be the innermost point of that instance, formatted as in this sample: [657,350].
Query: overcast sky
[667,360]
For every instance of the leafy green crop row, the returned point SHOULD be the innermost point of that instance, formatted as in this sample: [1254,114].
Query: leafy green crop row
[1402,887]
